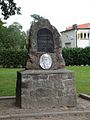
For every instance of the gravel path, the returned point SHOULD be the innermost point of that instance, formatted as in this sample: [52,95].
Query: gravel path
[8,111]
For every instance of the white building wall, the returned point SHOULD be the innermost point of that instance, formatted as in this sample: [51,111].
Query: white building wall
[72,38]
[68,38]
[84,39]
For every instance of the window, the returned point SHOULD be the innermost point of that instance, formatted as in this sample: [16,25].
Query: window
[84,35]
[78,35]
[68,45]
[88,35]
[81,35]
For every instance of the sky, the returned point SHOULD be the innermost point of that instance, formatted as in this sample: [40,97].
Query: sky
[60,13]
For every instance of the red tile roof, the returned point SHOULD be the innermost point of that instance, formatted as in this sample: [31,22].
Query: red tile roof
[87,25]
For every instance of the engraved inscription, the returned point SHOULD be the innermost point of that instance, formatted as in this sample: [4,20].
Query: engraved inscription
[45,40]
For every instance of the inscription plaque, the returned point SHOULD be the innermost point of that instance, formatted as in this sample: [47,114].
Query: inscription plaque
[45,40]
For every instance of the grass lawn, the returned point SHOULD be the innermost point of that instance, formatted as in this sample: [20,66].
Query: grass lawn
[82,77]
[8,80]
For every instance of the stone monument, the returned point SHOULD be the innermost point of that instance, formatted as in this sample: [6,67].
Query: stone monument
[45,82]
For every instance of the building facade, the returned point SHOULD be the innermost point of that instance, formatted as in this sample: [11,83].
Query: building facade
[76,36]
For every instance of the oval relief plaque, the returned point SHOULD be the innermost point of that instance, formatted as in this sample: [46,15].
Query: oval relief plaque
[45,61]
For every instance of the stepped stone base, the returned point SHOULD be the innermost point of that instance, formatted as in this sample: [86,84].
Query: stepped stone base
[45,88]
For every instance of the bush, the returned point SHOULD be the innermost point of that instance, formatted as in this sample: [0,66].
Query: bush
[13,58]
[76,56]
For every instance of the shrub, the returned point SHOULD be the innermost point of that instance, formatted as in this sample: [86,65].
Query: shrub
[13,58]
[76,56]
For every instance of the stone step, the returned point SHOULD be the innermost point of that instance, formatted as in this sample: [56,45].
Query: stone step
[7,97]
[84,96]
[45,114]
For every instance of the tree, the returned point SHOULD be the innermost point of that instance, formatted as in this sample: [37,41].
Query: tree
[12,37]
[36,17]
[3,30]
[8,8]
[17,37]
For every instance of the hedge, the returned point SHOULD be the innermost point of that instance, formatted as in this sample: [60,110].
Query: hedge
[17,58]
[13,58]
[76,56]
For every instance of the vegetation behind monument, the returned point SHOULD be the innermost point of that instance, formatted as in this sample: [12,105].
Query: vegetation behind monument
[12,37]
[72,56]
[12,45]
[77,56]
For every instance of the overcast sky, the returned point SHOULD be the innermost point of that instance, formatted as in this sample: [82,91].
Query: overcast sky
[61,13]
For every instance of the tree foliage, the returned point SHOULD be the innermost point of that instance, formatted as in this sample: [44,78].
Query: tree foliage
[12,37]
[8,8]
[2,33]
[36,17]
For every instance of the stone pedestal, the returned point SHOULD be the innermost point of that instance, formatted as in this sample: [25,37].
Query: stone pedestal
[45,88]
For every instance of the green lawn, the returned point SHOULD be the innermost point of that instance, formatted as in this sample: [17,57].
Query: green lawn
[82,77]
[8,80]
